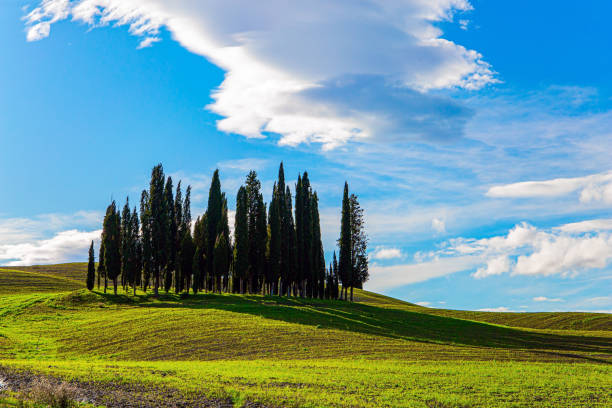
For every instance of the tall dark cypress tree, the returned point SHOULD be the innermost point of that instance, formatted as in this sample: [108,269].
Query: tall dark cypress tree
[135,272]
[111,235]
[286,230]
[318,256]
[200,231]
[299,233]
[127,245]
[307,260]
[146,243]
[223,265]
[159,225]
[171,231]
[186,257]
[336,279]
[178,238]
[258,232]
[241,241]
[274,220]
[213,216]
[291,254]
[359,243]
[91,268]
[345,263]
[101,269]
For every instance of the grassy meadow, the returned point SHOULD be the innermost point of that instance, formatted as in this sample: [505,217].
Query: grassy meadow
[246,349]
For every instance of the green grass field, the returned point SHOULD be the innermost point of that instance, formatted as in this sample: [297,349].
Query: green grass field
[277,351]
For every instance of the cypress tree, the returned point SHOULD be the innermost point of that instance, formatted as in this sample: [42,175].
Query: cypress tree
[159,225]
[286,230]
[213,216]
[359,243]
[223,265]
[335,288]
[186,256]
[146,244]
[136,252]
[299,233]
[318,256]
[91,268]
[274,257]
[101,269]
[178,238]
[111,235]
[291,254]
[344,263]
[171,231]
[241,241]
[126,244]
[258,232]
[221,257]
[200,261]
[307,260]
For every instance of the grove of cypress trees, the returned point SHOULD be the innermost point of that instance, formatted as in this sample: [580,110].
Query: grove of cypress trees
[345,263]
[258,232]
[91,268]
[111,236]
[241,242]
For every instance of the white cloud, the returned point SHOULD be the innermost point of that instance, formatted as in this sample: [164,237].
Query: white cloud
[592,188]
[244,165]
[148,42]
[323,72]
[425,304]
[587,226]
[386,277]
[545,299]
[65,246]
[525,250]
[495,309]
[386,253]
[21,230]
[438,225]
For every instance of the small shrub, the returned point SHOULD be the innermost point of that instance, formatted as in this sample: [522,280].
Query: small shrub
[62,395]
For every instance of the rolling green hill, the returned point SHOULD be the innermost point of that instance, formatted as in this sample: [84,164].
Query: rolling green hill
[278,351]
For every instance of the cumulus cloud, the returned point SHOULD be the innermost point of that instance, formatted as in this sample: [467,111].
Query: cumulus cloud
[592,188]
[526,250]
[545,299]
[323,72]
[386,253]
[65,246]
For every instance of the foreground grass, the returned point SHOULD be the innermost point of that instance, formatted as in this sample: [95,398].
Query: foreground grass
[359,382]
[297,352]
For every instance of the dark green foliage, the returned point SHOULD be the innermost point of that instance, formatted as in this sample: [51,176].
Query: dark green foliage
[359,243]
[171,237]
[318,257]
[336,278]
[185,261]
[111,236]
[344,264]
[241,241]
[213,213]
[274,245]
[258,233]
[221,265]
[159,225]
[200,261]
[145,240]
[101,269]
[91,268]
[290,256]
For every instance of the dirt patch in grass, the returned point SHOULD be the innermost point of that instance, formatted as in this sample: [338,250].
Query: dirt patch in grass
[116,394]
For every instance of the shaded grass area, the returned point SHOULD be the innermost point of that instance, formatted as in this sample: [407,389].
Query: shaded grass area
[359,382]
[33,281]
[214,326]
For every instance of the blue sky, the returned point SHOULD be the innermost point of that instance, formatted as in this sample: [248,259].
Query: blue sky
[477,134]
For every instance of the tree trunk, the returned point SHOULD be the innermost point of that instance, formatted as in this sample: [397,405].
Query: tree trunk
[351,293]
[115,285]
[105,283]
